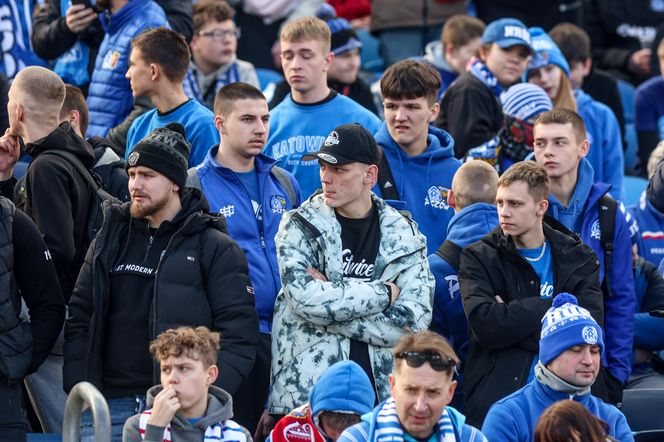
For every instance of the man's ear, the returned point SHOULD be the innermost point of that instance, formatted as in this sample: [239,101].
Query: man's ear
[450,199]
[433,112]
[372,175]
[585,148]
[392,383]
[155,71]
[542,207]
[328,61]
[219,123]
[212,374]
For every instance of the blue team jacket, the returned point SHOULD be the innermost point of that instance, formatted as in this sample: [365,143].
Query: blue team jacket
[226,195]
[650,238]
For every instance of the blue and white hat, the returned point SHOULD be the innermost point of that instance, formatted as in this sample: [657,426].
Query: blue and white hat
[525,101]
[566,325]
[546,52]
[507,32]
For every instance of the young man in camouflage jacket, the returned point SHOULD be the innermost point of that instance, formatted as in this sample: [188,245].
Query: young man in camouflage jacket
[354,273]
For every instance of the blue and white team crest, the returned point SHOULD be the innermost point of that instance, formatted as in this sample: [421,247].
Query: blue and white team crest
[437,197]
[595,232]
[278,204]
[589,334]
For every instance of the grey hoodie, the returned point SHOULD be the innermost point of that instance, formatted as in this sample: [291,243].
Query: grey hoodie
[220,409]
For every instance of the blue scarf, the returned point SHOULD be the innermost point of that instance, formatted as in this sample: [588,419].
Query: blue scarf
[479,70]
[388,428]
[190,84]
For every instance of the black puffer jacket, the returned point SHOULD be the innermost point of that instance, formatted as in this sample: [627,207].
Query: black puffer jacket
[504,337]
[202,279]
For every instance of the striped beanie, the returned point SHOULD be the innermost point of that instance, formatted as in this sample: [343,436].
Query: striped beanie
[525,101]
[565,325]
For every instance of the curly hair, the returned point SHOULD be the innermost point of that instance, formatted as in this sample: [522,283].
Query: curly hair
[197,343]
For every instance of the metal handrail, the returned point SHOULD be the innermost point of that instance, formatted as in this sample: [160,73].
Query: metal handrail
[71,427]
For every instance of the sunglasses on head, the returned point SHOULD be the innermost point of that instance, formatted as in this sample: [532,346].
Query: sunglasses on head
[417,358]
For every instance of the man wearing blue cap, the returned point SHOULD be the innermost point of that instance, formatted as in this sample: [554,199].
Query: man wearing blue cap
[470,109]
[571,345]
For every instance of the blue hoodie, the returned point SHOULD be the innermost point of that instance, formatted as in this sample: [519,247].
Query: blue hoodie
[603,131]
[226,195]
[650,239]
[365,431]
[449,319]
[582,217]
[423,181]
[343,387]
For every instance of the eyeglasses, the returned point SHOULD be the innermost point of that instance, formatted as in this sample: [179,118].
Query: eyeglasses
[221,33]
[417,358]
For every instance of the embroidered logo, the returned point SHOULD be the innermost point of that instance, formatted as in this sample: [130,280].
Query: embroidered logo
[278,204]
[227,211]
[298,432]
[111,60]
[437,197]
[589,334]
[595,232]
[332,139]
[133,158]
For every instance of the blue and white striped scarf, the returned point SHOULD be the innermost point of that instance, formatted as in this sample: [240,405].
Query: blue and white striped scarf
[388,428]
[227,431]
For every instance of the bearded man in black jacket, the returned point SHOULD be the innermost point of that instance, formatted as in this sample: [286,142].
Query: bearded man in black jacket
[159,262]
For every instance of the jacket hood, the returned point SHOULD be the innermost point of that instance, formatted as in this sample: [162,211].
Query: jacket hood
[440,145]
[433,54]
[582,99]
[472,223]
[64,139]
[343,387]
[571,216]
[219,409]
[105,152]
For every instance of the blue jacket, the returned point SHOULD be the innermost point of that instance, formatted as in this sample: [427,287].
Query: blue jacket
[515,417]
[606,153]
[226,195]
[423,181]
[449,319]
[582,217]
[650,239]
[365,430]
[109,97]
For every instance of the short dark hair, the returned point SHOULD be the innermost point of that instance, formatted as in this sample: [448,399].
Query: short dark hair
[166,48]
[530,173]
[573,42]
[562,115]
[337,421]
[461,29]
[227,95]
[410,79]
[206,11]
[74,100]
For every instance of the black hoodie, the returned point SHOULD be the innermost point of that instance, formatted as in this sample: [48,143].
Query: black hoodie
[58,200]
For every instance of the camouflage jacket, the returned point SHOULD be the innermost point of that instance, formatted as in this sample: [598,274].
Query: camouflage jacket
[314,321]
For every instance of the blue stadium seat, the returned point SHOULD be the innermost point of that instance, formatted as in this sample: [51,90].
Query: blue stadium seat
[633,187]
[643,410]
[371,59]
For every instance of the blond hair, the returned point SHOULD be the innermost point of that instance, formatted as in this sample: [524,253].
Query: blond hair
[530,173]
[43,90]
[565,97]
[474,182]
[307,28]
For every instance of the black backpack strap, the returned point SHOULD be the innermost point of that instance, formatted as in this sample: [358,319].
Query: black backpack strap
[608,208]
[285,182]
[388,186]
[451,253]
[78,165]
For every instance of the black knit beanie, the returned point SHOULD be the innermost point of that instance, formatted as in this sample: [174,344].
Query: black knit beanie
[655,191]
[166,151]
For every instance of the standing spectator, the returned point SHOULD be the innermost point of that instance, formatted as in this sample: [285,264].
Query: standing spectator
[649,215]
[470,109]
[649,112]
[459,42]
[549,70]
[157,66]
[571,346]
[342,76]
[109,96]
[472,197]
[507,281]
[577,203]
[214,62]
[542,13]
[405,28]
[354,275]
[621,33]
[303,120]
[159,261]
[421,387]
[252,193]
[70,34]
[419,158]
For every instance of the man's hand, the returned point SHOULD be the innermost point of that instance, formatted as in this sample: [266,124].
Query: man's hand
[395,291]
[79,17]
[639,62]
[10,150]
[265,424]
[316,274]
[166,404]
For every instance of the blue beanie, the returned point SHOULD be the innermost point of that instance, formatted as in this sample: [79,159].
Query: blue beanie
[546,52]
[525,101]
[566,325]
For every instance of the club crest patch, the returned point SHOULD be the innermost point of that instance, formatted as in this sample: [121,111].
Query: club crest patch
[332,139]
[278,204]
[595,231]
[133,158]
[589,334]
[437,197]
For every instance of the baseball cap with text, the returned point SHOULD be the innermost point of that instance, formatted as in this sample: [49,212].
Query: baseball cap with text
[348,143]
[507,32]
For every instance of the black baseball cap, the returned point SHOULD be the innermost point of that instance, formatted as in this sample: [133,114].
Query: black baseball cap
[348,143]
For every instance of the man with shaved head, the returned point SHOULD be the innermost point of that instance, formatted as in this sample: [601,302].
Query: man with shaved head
[472,198]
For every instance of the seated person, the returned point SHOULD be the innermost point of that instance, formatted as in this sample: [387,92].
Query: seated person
[186,406]
[566,421]
[571,345]
[649,215]
[338,400]
[422,385]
